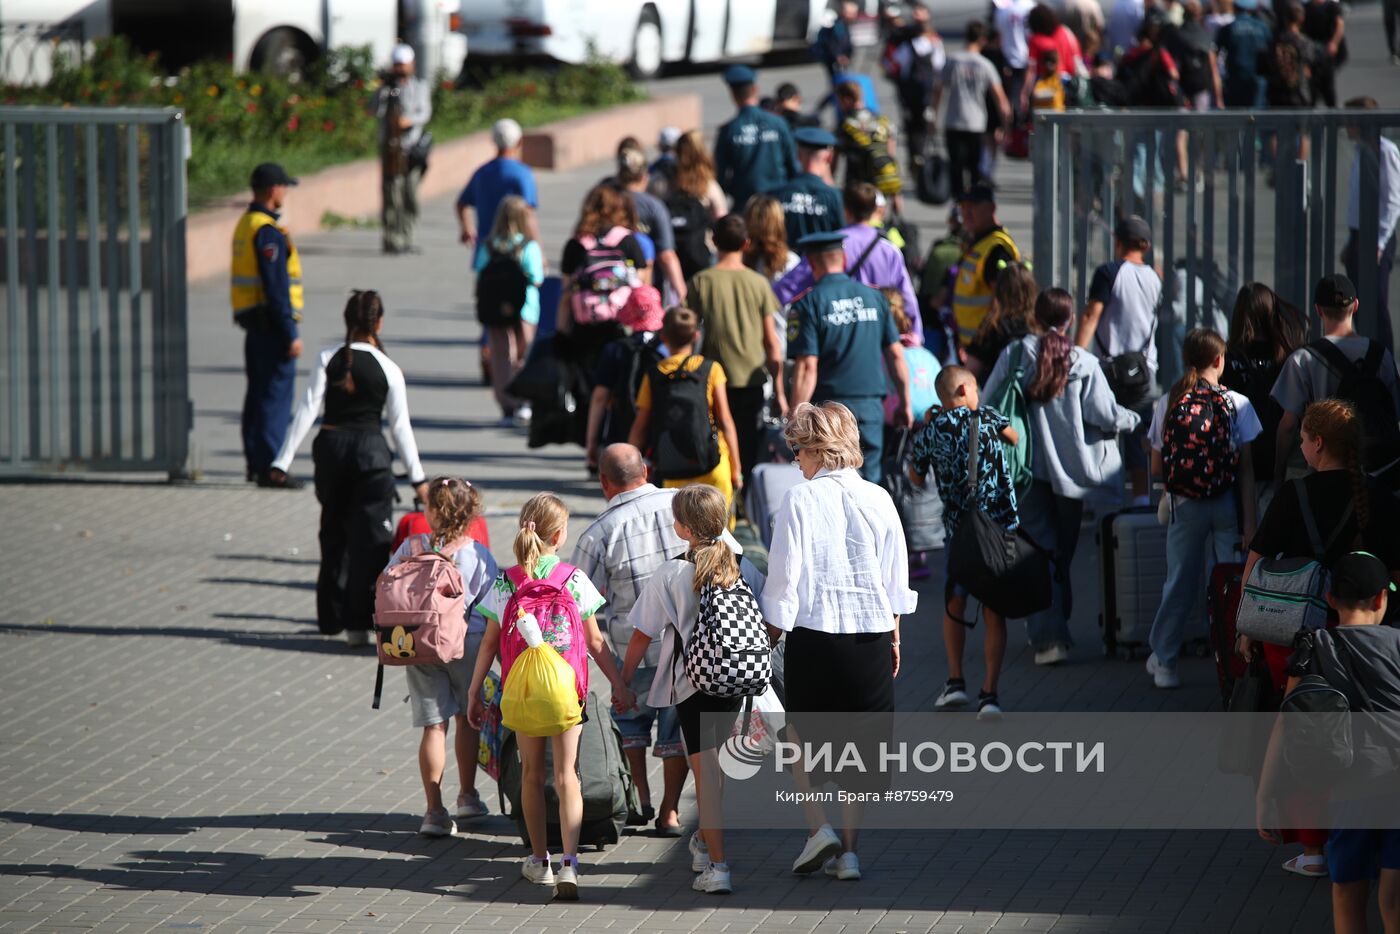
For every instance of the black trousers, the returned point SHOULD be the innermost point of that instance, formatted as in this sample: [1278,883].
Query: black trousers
[964,157]
[746,408]
[355,487]
[1383,332]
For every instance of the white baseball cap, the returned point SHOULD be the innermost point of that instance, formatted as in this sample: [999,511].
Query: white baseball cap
[670,136]
[506,133]
[402,54]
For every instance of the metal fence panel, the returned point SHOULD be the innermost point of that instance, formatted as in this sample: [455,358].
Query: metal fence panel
[1208,215]
[96,370]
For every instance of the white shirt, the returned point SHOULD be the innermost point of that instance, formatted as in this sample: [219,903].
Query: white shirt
[1011,22]
[1389,191]
[838,562]
[395,408]
[1244,429]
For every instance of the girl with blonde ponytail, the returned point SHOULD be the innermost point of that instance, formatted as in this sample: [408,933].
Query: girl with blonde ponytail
[544,524]
[670,601]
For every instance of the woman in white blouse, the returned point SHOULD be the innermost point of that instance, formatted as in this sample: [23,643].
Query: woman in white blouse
[837,586]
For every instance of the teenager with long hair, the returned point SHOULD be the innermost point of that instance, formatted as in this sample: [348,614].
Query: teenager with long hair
[1010,318]
[1201,435]
[1264,330]
[359,387]
[1075,423]
[1352,511]
[768,252]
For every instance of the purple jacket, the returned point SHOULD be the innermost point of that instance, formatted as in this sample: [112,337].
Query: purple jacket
[883,268]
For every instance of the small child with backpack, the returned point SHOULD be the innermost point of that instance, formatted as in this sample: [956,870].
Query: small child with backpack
[1200,436]
[1357,664]
[923,365]
[701,607]
[439,692]
[622,366]
[509,272]
[564,602]
[683,424]
[1048,92]
[943,446]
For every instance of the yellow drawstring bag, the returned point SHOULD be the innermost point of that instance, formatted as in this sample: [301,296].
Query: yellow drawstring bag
[540,696]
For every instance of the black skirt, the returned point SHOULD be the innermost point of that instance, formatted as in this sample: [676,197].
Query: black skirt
[840,691]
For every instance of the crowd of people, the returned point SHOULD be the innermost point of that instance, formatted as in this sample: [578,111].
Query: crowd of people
[725,308]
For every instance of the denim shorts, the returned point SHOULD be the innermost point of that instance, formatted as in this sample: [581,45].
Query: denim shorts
[437,693]
[635,725]
[1360,855]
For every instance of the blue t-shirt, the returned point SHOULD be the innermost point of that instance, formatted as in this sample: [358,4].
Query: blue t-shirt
[489,185]
[847,327]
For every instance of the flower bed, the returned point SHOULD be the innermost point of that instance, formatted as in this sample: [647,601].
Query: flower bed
[238,120]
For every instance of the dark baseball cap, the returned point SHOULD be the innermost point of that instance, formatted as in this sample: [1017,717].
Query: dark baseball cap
[980,193]
[1133,228]
[814,137]
[1359,576]
[270,173]
[821,241]
[1334,291]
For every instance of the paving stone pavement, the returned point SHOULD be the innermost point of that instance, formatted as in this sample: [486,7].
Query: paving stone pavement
[183,751]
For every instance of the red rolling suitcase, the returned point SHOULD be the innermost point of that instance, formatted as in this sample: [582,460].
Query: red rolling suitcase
[1222,606]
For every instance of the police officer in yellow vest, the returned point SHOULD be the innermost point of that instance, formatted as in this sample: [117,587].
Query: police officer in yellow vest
[991,250]
[266,295]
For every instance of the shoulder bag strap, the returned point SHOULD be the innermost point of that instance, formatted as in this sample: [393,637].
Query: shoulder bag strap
[560,575]
[864,255]
[516,576]
[1098,339]
[974,445]
[1331,356]
[1371,363]
[1344,656]
[1300,488]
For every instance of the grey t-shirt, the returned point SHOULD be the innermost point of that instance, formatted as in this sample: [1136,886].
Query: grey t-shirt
[1130,293]
[655,220]
[1305,378]
[968,77]
[1373,660]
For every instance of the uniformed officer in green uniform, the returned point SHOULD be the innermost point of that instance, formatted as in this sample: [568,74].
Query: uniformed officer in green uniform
[842,338]
[754,151]
[811,204]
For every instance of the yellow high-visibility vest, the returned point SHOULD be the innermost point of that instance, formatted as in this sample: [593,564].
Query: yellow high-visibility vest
[245,285]
[972,296]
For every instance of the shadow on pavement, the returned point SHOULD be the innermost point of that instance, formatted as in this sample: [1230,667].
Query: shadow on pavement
[289,642]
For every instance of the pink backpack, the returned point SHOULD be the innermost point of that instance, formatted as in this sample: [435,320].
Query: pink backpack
[420,611]
[603,281]
[549,600]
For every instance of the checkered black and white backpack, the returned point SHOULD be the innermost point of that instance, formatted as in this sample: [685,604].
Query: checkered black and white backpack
[728,654]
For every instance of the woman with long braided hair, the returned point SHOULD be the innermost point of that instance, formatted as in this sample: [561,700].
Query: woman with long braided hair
[1352,512]
[359,387]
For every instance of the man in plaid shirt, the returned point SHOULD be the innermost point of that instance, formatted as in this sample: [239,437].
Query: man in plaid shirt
[623,547]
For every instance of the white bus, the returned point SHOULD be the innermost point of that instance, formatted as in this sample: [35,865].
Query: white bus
[280,36]
[645,35]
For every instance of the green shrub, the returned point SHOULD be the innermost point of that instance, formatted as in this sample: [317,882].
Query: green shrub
[239,119]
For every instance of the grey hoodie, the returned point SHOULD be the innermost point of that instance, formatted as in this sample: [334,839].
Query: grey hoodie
[1075,435]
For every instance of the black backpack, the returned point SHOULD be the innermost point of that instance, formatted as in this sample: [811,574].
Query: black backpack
[1148,82]
[1361,385]
[684,443]
[501,287]
[1197,447]
[690,222]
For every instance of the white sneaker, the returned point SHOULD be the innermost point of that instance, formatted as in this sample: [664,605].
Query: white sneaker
[952,696]
[471,806]
[356,638]
[820,845]
[845,867]
[1162,676]
[538,873]
[437,824]
[713,881]
[699,853]
[566,883]
[523,414]
[1052,656]
[988,707]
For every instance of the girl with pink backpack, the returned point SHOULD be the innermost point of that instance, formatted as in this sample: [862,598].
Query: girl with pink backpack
[564,602]
[438,692]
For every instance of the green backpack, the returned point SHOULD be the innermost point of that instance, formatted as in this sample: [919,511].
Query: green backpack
[1011,402]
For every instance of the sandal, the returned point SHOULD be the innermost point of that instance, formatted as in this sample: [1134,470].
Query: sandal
[1314,867]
